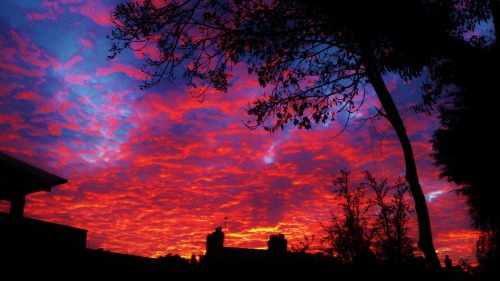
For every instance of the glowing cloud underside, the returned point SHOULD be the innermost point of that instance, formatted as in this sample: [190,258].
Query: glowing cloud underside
[153,172]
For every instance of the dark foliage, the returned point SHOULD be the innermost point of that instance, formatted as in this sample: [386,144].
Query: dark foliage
[465,143]
[369,229]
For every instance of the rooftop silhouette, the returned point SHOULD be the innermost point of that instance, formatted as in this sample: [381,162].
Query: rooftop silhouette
[31,247]
[18,179]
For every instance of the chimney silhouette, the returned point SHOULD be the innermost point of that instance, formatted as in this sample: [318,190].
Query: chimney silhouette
[215,241]
[277,244]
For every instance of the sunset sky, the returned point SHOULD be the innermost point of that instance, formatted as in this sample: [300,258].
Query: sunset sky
[153,172]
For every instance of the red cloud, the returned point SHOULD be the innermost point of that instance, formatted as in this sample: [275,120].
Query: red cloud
[130,71]
[86,43]
[98,12]
[27,95]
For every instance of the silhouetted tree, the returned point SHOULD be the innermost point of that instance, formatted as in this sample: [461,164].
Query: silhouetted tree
[372,225]
[463,144]
[302,246]
[193,259]
[348,235]
[461,148]
[392,243]
[487,255]
[465,139]
[316,58]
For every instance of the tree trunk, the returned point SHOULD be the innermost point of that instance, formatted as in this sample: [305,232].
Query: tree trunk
[391,113]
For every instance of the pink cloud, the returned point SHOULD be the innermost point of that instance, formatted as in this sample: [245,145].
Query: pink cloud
[27,95]
[71,1]
[5,89]
[130,71]
[42,16]
[85,100]
[29,52]
[13,68]
[149,51]
[78,79]
[52,12]
[63,105]
[101,14]
[9,54]
[86,43]
[71,63]
[54,129]
[14,120]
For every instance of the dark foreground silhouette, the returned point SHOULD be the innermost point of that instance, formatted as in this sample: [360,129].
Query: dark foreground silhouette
[32,248]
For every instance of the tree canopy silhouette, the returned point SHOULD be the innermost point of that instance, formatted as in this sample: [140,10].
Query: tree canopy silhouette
[368,228]
[315,58]
[465,139]
[349,236]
